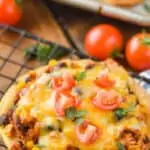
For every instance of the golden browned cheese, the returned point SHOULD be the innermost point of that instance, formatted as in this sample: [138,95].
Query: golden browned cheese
[34,123]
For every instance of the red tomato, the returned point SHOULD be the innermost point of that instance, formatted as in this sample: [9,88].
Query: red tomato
[107,100]
[138,51]
[64,83]
[102,40]
[104,81]
[63,101]
[10,12]
[87,133]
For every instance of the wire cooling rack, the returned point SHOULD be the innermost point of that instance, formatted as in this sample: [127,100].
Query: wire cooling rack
[12,61]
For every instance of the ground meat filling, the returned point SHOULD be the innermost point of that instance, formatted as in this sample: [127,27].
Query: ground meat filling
[26,131]
[18,146]
[129,137]
[70,147]
[145,143]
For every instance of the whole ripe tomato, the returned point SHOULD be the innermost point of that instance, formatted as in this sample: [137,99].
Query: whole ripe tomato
[10,12]
[138,51]
[102,40]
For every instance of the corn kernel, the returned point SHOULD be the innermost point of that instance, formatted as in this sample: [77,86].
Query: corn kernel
[29,144]
[20,85]
[35,148]
[52,62]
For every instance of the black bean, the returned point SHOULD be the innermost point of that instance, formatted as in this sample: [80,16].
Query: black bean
[27,79]
[60,65]
[89,66]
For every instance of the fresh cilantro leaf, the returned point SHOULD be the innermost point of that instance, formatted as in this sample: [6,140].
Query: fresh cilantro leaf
[120,146]
[74,114]
[147,7]
[18,1]
[115,53]
[80,113]
[120,113]
[146,41]
[43,52]
[79,121]
[70,113]
[80,75]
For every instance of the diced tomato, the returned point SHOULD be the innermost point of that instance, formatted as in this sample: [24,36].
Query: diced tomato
[107,100]
[87,133]
[64,83]
[104,81]
[63,101]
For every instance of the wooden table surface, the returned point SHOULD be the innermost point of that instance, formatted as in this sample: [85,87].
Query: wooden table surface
[61,24]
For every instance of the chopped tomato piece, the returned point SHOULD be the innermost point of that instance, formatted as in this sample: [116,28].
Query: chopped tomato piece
[107,100]
[63,101]
[104,81]
[87,133]
[64,83]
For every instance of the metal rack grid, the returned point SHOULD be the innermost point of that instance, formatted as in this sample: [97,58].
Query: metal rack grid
[25,64]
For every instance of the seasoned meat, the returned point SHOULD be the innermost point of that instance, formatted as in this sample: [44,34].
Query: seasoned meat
[26,131]
[129,137]
[70,147]
[18,146]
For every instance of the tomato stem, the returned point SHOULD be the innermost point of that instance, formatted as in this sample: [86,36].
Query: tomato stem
[18,2]
[146,41]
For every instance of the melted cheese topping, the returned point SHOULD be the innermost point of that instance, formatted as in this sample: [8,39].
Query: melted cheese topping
[39,102]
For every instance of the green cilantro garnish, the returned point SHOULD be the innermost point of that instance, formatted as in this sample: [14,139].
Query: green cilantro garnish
[146,41]
[120,146]
[75,115]
[121,113]
[80,76]
[115,53]
[19,1]
[44,52]
[147,7]
[79,121]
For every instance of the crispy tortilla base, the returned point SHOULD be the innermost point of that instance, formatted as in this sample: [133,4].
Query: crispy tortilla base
[8,100]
